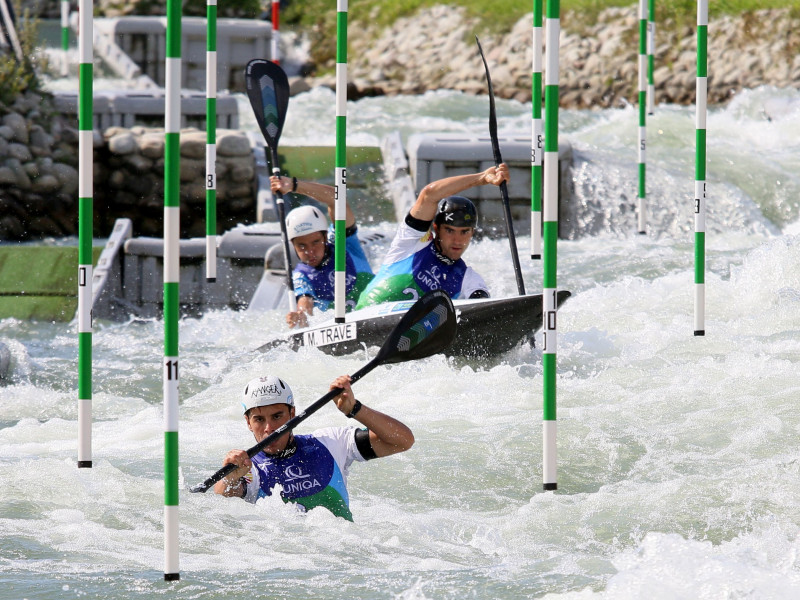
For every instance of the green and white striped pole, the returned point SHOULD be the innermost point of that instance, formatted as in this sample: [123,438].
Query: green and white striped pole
[340,202]
[537,133]
[550,242]
[65,36]
[172,167]
[85,227]
[700,189]
[651,50]
[641,208]
[211,140]
[10,30]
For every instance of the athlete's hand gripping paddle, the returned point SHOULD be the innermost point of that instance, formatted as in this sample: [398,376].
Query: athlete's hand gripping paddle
[268,91]
[427,328]
[512,242]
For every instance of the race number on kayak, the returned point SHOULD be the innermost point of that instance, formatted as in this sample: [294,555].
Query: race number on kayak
[332,334]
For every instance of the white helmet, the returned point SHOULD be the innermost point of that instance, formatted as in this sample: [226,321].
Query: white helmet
[305,219]
[264,391]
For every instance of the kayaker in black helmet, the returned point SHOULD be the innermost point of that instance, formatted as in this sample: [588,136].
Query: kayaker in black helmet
[427,248]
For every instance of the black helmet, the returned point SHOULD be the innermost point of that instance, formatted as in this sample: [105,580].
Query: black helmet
[456,211]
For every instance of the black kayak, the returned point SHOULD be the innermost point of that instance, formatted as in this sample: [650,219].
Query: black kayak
[487,327]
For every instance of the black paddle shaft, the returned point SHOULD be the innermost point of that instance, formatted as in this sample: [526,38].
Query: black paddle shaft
[427,328]
[268,92]
[281,206]
[512,242]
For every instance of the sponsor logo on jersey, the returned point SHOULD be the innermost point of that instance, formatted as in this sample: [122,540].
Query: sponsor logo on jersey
[430,278]
[297,481]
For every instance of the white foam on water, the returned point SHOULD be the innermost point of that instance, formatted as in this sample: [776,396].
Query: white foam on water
[677,454]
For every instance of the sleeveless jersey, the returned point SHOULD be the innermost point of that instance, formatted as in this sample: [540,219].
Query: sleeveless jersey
[315,475]
[319,282]
[412,268]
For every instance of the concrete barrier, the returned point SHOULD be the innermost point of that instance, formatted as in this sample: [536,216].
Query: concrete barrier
[128,108]
[107,281]
[396,171]
[438,155]
[240,264]
[116,58]
[143,39]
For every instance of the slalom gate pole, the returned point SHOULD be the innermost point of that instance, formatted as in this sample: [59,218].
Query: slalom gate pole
[550,241]
[340,202]
[651,50]
[641,208]
[10,29]
[275,52]
[85,229]
[700,188]
[537,133]
[211,140]
[65,36]
[172,154]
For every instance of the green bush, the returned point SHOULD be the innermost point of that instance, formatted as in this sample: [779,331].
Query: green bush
[18,77]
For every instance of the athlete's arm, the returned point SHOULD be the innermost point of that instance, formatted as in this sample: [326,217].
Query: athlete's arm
[318,191]
[232,484]
[427,201]
[387,435]
[299,317]
[473,286]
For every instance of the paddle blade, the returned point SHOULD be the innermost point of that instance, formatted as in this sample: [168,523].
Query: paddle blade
[503,186]
[427,328]
[492,114]
[268,92]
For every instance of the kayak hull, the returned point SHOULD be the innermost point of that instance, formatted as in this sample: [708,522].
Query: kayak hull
[487,327]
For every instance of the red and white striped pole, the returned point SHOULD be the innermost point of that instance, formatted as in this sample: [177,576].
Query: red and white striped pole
[275,55]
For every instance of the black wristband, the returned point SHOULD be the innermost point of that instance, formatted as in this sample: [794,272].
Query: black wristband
[294,184]
[356,408]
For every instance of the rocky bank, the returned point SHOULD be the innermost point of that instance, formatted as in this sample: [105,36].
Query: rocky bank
[38,171]
[433,50]
[598,64]
[39,176]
